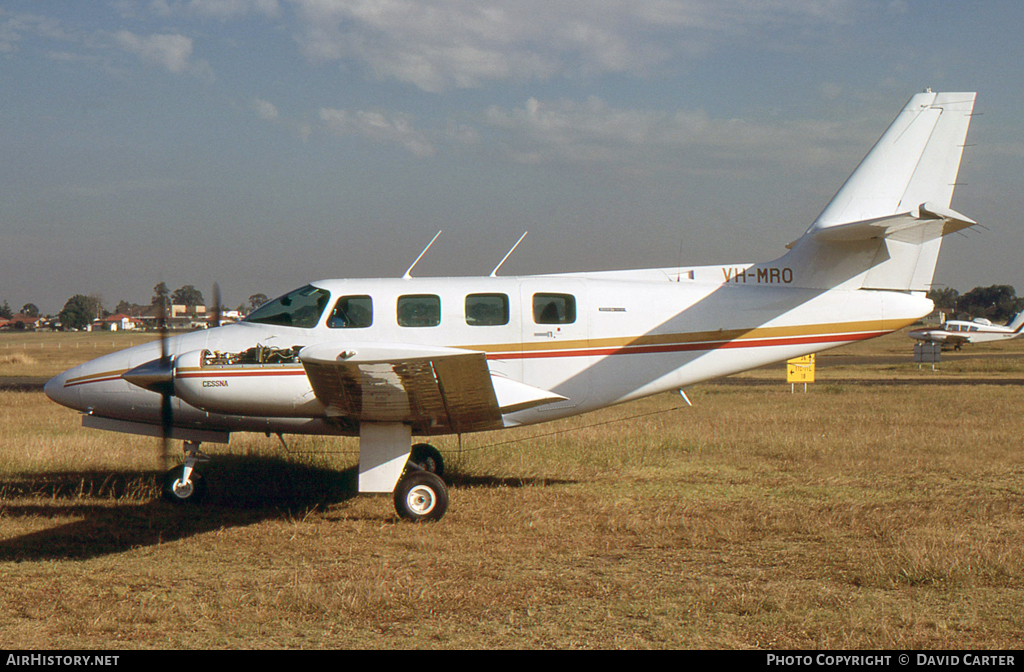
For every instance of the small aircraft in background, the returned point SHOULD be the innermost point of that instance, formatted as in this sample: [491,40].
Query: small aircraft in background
[979,330]
[389,359]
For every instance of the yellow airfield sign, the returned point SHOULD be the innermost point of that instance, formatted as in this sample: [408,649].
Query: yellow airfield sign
[800,370]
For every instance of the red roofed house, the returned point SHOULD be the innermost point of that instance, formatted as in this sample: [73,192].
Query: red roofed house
[22,322]
[120,322]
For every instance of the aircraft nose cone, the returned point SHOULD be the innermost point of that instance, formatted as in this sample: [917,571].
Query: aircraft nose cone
[57,390]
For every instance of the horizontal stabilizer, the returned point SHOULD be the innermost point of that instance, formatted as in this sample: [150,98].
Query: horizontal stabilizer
[904,227]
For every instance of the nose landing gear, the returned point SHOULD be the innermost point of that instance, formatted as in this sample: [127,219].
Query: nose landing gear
[184,485]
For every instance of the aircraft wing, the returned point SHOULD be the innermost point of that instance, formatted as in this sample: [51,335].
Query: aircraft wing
[434,389]
[939,336]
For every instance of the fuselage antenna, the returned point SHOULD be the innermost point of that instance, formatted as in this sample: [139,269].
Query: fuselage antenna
[408,272]
[494,273]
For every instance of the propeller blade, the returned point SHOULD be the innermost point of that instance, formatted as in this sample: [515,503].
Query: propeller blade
[166,412]
[216,305]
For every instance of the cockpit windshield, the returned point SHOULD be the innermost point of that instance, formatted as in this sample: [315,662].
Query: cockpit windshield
[301,308]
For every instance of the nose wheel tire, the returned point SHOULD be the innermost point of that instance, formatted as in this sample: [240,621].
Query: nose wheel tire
[421,496]
[179,491]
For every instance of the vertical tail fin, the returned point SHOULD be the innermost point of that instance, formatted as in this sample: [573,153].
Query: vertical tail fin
[1017,323]
[916,161]
[884,227]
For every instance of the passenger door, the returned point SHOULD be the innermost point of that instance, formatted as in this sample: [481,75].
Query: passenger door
[555,337]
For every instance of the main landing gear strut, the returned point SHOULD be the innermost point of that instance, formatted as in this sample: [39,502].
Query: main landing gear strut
[420,493]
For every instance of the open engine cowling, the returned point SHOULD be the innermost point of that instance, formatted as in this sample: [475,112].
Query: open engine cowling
[270,389]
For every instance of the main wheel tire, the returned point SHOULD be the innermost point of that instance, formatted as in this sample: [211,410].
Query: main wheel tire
[427,458]
[180,493]
[420,496]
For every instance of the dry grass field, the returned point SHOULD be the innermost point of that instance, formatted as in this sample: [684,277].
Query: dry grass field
[45,354]
[874,511]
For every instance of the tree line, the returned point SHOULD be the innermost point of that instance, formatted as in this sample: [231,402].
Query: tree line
[29,310]
[998,303]
[80,310]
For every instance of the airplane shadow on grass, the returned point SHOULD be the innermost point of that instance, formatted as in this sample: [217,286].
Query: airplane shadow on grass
[119,511]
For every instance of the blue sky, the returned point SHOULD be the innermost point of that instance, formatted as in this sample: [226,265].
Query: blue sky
[261,144]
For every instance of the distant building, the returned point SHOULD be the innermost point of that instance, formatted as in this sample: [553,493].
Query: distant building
[22,322]
[226,317]
[181,318]
[180,310]
[938,316]
[119,322]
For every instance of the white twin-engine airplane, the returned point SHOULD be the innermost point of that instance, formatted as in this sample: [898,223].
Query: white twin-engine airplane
[978,330]
[389,359]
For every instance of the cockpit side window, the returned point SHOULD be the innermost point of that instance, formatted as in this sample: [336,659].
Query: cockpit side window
[300,308]
[351,312]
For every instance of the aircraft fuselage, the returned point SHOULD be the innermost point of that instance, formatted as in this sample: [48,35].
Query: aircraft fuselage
[614,340]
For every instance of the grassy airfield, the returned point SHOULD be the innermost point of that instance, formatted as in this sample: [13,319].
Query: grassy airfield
[884,508]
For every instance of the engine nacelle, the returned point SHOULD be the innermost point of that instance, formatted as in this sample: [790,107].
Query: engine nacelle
[269,390]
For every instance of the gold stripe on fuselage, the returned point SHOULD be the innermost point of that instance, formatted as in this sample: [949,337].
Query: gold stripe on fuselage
[693,337]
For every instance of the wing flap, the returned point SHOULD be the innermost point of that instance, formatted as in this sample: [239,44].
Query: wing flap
[434,389]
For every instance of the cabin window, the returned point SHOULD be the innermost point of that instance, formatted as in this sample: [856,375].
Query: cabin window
[554,308]
[486,310]
[300,308]
[351,312]
[419,310]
